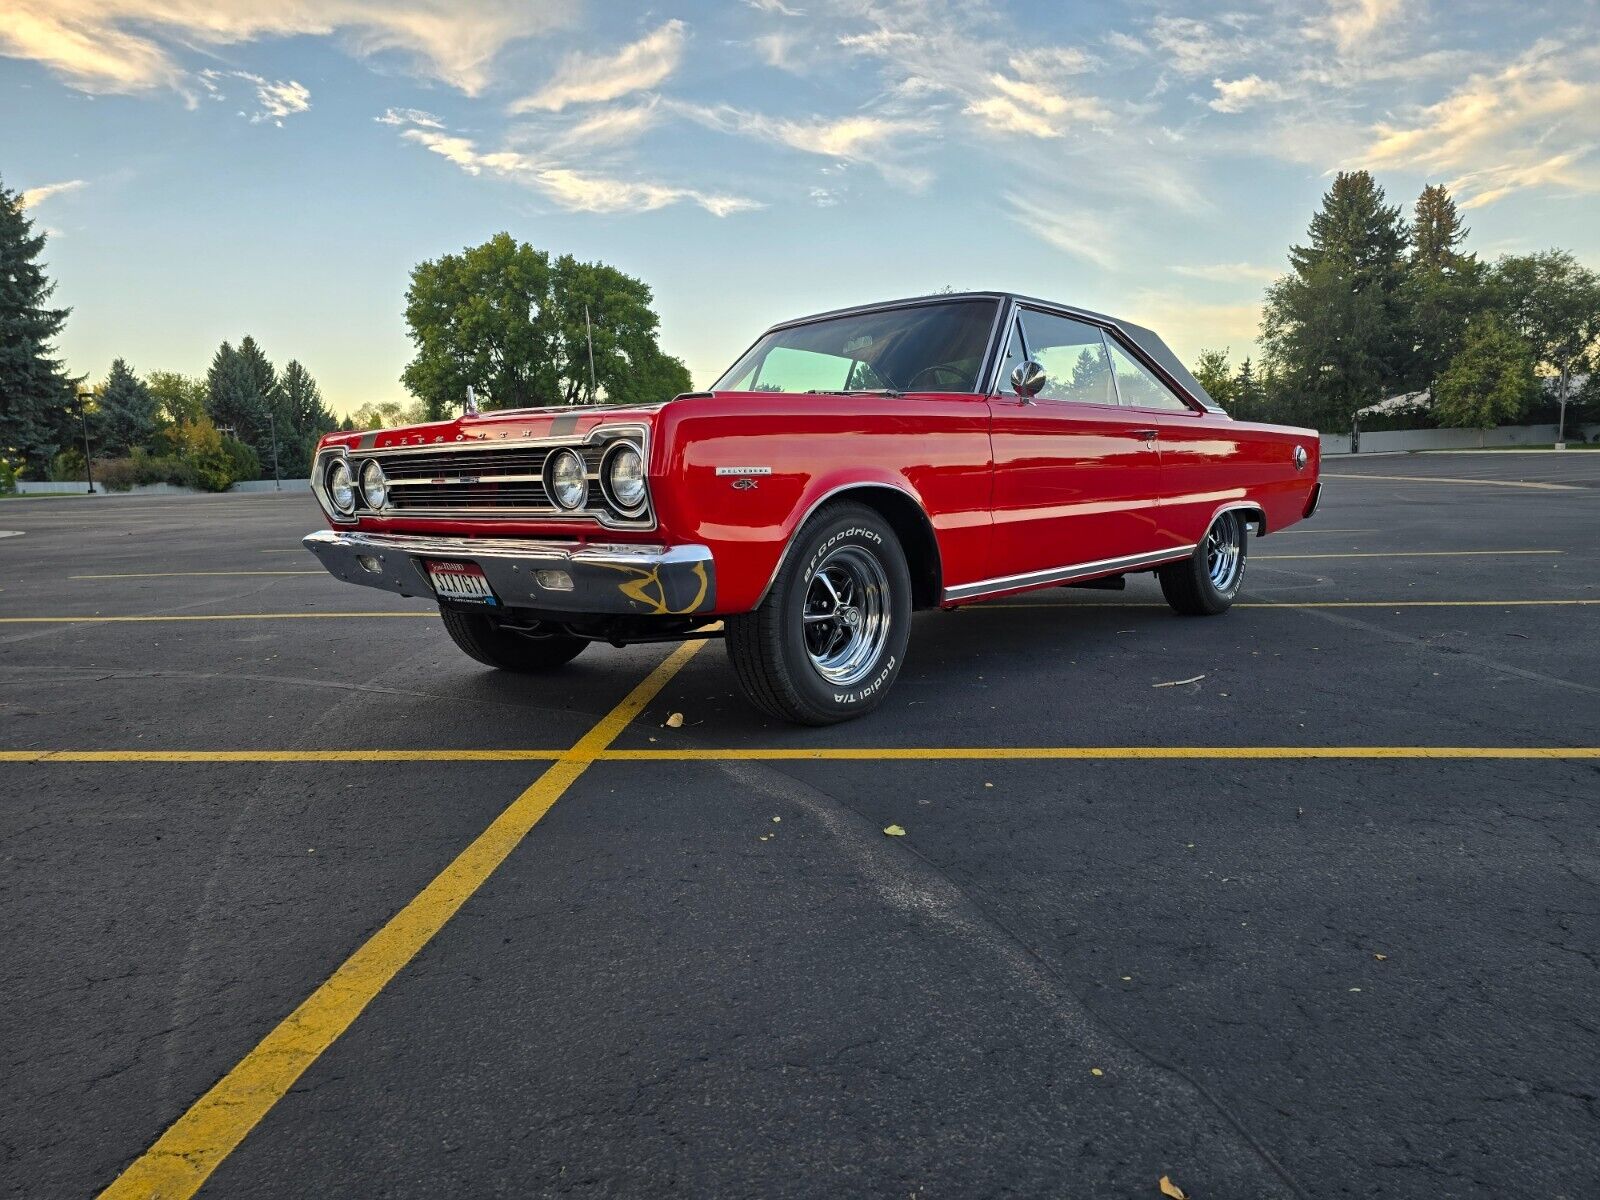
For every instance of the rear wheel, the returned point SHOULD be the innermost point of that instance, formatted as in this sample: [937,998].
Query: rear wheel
[828,641]
[482,638]
[1206,582]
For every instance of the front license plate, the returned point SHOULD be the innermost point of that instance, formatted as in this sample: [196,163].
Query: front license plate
[462,581]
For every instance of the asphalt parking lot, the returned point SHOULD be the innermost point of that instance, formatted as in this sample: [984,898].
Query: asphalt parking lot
[299,900]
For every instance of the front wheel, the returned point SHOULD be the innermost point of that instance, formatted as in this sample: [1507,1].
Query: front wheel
[483,639]
[1207,582]
[828,641]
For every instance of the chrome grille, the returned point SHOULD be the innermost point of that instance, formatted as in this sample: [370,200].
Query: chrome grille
[492,481]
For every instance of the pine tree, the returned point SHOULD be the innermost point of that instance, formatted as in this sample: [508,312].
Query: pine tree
[35,393]
[1246,393]
[304,420]
[127,415]
[1444,287]
[1335,328]
[234,399]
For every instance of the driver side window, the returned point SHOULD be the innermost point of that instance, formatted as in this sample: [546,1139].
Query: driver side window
[1074,358]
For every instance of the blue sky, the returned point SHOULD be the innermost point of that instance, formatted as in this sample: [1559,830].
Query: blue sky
[209,168]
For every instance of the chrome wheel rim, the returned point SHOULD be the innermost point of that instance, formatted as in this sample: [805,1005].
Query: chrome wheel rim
[1225,551]
[846,615]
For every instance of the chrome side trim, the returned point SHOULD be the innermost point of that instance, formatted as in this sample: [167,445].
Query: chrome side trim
[1104,566]
[801,524]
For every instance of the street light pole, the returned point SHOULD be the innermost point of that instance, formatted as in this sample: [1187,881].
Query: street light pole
[84,392]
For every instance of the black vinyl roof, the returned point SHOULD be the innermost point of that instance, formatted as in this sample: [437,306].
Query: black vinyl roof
[1147,341]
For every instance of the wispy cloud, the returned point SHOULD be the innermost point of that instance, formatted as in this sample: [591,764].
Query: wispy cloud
[1229,272]
[1353,25]
[409,116]
[1236,95]
[1082,234]
[570,188]
[136,45]
[1534,123]
[857,138]
[589,79]
[35,196]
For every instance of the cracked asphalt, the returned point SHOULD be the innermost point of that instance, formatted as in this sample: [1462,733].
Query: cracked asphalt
[1262,977]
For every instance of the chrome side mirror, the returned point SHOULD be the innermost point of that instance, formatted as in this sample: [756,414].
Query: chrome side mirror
[1028,379]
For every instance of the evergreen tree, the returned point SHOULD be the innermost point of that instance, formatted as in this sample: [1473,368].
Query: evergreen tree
[1444,287]
[1335,327]
[127,415]
[35,393]
[305,419]
[1246,393]
[234,399]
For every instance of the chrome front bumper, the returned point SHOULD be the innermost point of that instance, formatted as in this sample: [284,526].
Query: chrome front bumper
[549,576]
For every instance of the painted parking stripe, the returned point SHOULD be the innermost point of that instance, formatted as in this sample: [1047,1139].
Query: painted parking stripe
[271,616]
[1510,483]
[189,574]
[187,1153]
[805,754]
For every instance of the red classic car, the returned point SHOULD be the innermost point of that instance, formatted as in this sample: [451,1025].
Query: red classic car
[850,468]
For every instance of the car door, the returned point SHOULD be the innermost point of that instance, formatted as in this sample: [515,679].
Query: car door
[1076,475]
[1200,469]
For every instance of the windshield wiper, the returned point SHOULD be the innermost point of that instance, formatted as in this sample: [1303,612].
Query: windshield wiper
[853,392]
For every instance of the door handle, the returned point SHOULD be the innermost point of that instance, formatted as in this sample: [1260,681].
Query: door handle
[1148,435]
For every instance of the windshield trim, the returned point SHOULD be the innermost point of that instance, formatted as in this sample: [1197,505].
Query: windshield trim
[986,364]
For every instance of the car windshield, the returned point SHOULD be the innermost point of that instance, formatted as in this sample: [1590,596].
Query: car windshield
[935,347]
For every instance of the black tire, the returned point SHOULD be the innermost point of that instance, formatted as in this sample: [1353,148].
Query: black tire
[1201,585]
[483,639]
[769,648]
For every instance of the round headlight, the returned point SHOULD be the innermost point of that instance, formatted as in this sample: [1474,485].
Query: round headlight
[624,473]
[341,486]
[565,473]
[374,487]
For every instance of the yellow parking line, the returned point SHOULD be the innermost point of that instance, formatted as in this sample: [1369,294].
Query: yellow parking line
[1403,554]
[275,756]
[989,753]
[1511,483]
[305,616]
[182,1157]
[798,753]
[189,574]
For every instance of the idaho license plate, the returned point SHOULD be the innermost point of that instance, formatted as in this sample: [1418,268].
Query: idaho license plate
[462,581]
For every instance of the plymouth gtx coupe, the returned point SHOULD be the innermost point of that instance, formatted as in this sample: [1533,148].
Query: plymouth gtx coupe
[850,468]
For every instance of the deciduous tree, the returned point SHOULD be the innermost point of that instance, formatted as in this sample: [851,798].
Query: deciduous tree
[1553,302]
[1489,381]
[505,320]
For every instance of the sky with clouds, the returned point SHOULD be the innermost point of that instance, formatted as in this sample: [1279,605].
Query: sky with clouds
[208,168]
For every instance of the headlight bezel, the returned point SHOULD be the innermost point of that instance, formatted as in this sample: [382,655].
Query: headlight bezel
[553,487]
[377,505]
[614,495]
[340,465]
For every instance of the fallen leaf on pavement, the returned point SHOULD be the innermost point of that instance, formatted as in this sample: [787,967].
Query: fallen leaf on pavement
[1178,682]
[894,831]
[675,721]
[1381,957]
[1168,1188]
[1096,1071]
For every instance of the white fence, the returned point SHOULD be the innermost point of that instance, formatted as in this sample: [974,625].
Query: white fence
[45,487]
[1391,441]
